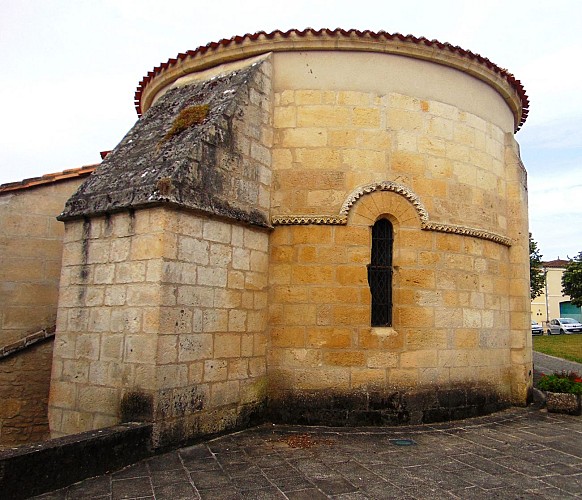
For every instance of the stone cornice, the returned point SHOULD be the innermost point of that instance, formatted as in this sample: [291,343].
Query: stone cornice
[243,47]
[338,220]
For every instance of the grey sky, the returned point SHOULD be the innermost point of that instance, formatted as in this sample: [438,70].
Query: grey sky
[69,69]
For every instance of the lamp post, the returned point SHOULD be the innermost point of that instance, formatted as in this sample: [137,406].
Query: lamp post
[545,270]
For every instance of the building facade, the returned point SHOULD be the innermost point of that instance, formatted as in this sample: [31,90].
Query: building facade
[552,303]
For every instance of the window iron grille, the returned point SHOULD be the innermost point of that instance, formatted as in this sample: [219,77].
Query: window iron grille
[380,273]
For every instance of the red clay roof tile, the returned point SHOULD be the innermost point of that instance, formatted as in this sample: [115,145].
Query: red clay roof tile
[514,83]
[47,178]
[556,263]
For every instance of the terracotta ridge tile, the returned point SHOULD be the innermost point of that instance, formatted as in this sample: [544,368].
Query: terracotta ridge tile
[48,178]
[238,39]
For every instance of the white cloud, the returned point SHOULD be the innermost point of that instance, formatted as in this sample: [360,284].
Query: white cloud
[555,209]
[69,71]
[557,134]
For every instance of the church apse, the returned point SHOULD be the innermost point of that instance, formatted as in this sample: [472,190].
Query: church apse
[219,267]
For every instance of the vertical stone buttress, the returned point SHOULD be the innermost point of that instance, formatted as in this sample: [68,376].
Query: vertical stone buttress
[519,287]
[162,308]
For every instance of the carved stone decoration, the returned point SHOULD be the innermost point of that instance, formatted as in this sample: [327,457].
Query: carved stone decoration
[385,186]
[425,223]
[465,231]
[292,220]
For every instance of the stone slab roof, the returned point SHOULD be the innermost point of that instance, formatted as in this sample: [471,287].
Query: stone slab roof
[192,168]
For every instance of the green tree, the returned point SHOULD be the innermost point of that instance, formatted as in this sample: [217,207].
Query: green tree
[537,277]
[572,280]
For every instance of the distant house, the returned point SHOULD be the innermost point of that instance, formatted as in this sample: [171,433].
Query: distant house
[552,303]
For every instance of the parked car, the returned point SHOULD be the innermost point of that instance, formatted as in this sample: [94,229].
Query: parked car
[536,328]
[564,325]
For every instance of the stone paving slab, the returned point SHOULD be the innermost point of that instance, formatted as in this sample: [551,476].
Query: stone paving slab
[518,453]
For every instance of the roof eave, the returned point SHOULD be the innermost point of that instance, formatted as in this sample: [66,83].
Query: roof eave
[237,48]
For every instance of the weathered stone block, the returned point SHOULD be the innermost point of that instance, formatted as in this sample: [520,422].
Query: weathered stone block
[303,137]
[227,345]
[305,96]
[140,349]
[215,370]
[344,358]
[288,336]
[328,337]
[313,274]
[382,360]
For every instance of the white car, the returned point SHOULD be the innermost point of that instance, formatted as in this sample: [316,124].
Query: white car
[536,328]
[564,325]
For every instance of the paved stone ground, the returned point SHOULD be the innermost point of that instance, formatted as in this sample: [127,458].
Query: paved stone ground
[518,453]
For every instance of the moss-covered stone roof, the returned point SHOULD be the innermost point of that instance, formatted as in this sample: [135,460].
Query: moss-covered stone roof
[194,165]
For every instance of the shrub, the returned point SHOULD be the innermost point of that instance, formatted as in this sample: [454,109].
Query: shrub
[566,382]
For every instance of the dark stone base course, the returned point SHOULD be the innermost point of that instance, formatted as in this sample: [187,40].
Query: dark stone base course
[185,430]
[34,469]
[383,408]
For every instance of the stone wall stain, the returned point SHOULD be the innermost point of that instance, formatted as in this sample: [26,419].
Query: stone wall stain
[136,407]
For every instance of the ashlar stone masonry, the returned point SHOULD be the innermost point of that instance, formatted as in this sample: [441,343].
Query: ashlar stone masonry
[30,266]
[217,272]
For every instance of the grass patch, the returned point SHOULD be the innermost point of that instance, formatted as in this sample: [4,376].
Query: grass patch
[561,346]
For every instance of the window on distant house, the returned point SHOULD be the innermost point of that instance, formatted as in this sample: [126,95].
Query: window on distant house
[380,273]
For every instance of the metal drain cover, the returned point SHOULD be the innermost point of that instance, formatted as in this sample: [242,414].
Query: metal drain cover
[402,442]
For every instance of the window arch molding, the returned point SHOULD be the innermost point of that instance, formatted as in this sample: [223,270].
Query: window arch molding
[366,211]
[365,206]
[375,190]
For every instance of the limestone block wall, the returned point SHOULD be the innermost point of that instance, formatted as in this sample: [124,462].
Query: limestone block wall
[452,184]
[102,332]
[211,365]
[24,390]
[30,263]
[162,316]
[451,323]
[30,252]
[327,143]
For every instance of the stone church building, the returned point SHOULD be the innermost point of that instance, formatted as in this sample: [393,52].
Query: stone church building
[321,227]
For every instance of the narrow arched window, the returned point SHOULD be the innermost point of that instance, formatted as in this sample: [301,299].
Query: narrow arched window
[380,273]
